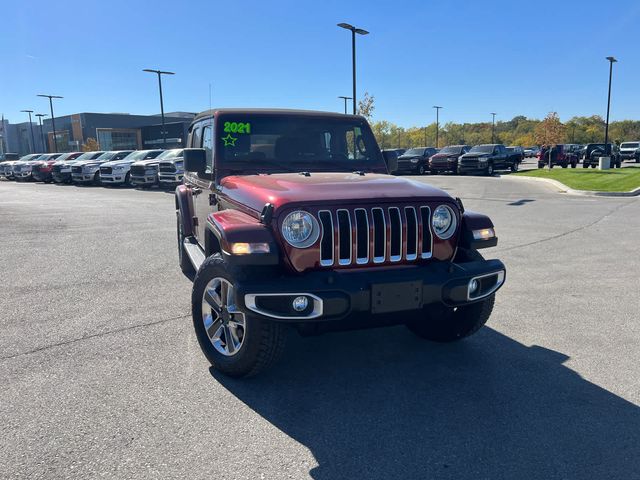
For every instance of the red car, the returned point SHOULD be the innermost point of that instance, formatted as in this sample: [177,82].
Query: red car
[289,220]
[560,155]
[42,171]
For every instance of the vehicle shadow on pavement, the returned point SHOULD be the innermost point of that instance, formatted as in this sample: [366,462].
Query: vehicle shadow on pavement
[381,404]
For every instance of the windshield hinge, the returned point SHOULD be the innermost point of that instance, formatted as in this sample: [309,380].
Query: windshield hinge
[359,172]
[306,174]
[267,214]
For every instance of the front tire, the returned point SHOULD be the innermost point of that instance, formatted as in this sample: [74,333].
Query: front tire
[235,343]
[514,167]
[489,171]
[421,170]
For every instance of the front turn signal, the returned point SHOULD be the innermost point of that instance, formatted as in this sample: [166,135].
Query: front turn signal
[248,248]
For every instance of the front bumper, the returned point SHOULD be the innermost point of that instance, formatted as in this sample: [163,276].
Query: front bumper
[60,177]
[170,177]
[83,177]
[627,155]
[472,168]
[341,295]
[449,166]
[22,175]
[144,180]
[42,176]
[113,178]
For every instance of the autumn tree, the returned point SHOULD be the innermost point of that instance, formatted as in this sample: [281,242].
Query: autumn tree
[91,145]
[551,131]
[366,105]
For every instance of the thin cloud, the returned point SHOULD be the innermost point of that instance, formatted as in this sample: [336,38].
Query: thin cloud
[31,56]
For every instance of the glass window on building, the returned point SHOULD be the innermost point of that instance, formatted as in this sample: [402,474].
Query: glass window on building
[117,139]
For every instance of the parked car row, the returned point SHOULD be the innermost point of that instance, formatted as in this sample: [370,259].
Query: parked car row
[460,159]
[142,168]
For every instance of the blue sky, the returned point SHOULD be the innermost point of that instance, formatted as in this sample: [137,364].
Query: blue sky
[472,57]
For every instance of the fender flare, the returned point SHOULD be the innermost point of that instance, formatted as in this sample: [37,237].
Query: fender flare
[234,226]
[184,209]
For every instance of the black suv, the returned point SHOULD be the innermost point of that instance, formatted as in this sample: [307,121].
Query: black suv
[593,151]
[415,160]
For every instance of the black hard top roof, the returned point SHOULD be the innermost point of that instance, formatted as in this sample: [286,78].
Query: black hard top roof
[273,111]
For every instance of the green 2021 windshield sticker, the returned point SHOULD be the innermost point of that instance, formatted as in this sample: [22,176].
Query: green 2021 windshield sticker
[237,127]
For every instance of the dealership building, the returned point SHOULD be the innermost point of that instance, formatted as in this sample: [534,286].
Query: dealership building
[112,131]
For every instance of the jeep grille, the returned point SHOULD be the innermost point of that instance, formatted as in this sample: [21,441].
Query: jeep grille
[375,235]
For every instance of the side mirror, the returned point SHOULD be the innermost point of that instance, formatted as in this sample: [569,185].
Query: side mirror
[391,159]
[195,160]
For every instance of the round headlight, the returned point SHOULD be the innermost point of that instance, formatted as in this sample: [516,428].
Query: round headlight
[444,222]
[300,229]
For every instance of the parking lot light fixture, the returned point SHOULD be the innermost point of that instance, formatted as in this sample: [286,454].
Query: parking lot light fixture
[607,149]
[437,122]
[33,140]
[40,116]
[354,31]
[493,128]
[53,120]
[345,102]
[160,73]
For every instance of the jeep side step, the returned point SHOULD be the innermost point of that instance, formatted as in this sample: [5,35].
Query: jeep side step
[194,252]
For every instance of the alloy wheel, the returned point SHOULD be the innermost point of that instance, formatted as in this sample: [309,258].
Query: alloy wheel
[224,323]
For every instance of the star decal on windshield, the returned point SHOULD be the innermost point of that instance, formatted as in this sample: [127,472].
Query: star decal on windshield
[229,140]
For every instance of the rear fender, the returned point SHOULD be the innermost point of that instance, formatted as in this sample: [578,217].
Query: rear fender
[233,226]
[472,221]
[184,207]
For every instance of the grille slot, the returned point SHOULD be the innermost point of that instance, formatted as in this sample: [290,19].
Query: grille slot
[76,169]
[107,170]
[344,237]
[362,236]
[377,235]
[326,243]
[395,250]
[412,233]
[427,239]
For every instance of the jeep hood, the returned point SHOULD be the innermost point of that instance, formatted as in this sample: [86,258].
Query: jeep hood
[148,161]
[254,191]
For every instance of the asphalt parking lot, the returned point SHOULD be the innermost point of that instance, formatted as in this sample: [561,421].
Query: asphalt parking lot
[102,376]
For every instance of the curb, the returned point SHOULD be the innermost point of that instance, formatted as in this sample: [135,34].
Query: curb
[565,189]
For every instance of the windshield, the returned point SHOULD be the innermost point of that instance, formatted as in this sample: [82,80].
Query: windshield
[87,156]
[293,142]
[107,156]
[482,149]
[630,145]
[139,155]
[170,154]
[414,151]
[457,150]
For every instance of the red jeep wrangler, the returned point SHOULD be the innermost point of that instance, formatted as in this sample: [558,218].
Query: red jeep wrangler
[289,219]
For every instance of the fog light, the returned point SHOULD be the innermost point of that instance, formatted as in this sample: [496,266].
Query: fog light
[300,303]
[473,286]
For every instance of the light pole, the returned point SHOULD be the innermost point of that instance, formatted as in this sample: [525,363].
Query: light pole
[160,73]
[359,31]
[40,116]
[606,126]
[437,122]
[53,120]
[493,127]
[345,102]
[33,140]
